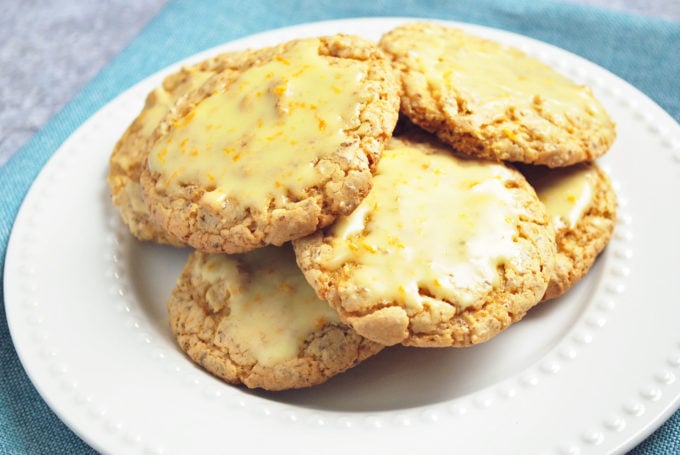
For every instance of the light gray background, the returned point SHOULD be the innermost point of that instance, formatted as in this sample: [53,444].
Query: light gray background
[51,48]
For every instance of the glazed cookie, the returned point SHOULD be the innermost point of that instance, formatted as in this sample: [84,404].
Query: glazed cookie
[129,155]
[495,102]
[444,251]
[253,319]
[275,150]
[581,201]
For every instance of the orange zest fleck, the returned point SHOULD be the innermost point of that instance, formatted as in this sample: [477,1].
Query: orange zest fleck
[369,247]
[510,135]
[283,60]
[162,154]
[394,241]
[274,136]
[188,118]
[170,179]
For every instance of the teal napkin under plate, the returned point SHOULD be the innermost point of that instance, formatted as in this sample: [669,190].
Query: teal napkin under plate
[643,51]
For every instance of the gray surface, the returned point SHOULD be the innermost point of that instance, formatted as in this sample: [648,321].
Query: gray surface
[51,49]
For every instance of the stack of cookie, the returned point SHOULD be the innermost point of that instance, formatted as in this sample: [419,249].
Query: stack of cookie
[323,231]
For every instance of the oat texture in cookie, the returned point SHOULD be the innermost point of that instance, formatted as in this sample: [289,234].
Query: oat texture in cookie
[253,319]
[444,251]
[275,150]
[129,155]
[493,101]
[582,203]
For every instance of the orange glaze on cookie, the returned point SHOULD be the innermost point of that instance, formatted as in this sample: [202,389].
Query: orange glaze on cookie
[268,127]
[272,314]
[449,228]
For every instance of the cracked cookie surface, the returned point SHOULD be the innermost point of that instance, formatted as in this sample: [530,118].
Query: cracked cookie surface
[444,250]
[130,152]
[582,203]
[276,149]
[493,101]
[252,319]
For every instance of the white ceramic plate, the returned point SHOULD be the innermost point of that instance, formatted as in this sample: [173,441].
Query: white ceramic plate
[594,372]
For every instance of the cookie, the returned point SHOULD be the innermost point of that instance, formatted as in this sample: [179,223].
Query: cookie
[275,150]
[493,101]
[129,155]
[252,319]
[582,203]
[444,251]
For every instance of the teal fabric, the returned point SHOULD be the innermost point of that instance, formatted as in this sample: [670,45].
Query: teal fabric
[643,51]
